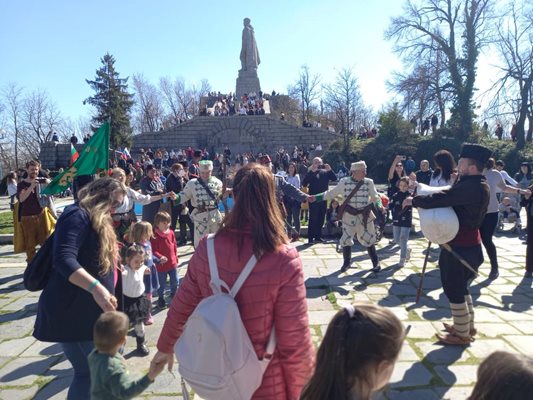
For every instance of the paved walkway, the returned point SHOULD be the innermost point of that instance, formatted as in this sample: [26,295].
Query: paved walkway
[425,370]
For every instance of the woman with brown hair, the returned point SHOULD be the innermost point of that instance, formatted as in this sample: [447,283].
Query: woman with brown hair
[85,280]
[273,294]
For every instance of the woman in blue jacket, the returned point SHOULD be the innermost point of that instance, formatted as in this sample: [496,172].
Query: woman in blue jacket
[85,280]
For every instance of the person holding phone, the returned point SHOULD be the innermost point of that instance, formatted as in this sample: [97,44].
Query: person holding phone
[396,171]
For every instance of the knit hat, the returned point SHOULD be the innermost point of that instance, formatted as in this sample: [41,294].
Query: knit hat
[358,166]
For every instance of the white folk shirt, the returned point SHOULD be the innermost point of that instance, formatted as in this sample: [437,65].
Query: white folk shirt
[197,194]
[366,195]
[133,281]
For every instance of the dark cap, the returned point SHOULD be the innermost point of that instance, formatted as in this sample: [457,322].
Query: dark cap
[525,163]
[185,164]
[265,159]
[476,152]
[197,153]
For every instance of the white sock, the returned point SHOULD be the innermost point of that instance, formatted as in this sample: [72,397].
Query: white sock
[461,319]
[470,304]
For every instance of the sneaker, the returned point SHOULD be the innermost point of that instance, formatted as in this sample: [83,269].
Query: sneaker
[401,264]
[376,268]
[149,320]
[408,255]
[494,274]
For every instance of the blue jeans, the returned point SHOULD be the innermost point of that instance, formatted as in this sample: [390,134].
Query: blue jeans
[293,217]
[401,236]
[77,353]
[174,280]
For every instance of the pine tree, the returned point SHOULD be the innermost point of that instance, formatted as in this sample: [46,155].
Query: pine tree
[112,101]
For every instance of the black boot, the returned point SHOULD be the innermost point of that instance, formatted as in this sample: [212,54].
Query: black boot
[374,258]
[141,347]
[347,256]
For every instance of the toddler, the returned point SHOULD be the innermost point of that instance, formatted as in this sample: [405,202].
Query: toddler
[141,233]
[109,377]
[136,305]
[507,210]
[401,219]
[358,353]
[165,248]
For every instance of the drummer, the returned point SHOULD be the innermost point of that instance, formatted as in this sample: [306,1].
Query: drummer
[469,197]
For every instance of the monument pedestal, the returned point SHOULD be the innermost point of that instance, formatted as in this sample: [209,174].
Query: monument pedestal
[247,82]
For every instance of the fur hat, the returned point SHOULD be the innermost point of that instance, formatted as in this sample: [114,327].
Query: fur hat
[205,165]
[357,166]
[476,152]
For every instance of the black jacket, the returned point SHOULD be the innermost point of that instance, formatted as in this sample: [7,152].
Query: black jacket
[318,181]
[67,313]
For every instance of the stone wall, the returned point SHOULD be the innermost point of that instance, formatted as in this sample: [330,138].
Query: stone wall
[257,133]
[55,155]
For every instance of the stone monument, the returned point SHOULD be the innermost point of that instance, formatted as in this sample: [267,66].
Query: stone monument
[248,81]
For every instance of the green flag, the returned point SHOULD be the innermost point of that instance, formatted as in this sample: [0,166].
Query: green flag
[94,156]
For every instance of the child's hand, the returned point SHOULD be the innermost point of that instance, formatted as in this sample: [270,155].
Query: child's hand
[147,271]
[163,259]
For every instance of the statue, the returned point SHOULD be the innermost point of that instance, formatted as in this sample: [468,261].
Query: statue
[249,53]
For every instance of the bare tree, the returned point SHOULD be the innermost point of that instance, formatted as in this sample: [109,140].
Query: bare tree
[148,105]
[182,101]
[515,47]
[40,118]
[343,99]
[306,90]
[12,94]
[457,28]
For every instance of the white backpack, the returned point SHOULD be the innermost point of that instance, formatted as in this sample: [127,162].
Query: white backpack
[215,354]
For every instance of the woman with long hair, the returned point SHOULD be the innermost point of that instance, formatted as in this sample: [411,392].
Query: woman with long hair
[357,355]
[11,183]
[275,287]
[293,206]
[83,281]
[444,173]
[396,171]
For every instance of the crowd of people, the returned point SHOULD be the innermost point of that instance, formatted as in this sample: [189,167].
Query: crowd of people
[106,261]
[220,105]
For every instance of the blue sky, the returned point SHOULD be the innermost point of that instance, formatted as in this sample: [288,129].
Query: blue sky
[57,44]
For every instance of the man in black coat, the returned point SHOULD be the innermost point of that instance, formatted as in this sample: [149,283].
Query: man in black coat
[469,197]
[317,179]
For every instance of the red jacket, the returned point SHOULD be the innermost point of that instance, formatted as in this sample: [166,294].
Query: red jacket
[164,244]
[274,293]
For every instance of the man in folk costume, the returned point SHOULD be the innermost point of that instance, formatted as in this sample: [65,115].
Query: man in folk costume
[204,193]
[284,188]
[469,198]
[360,195]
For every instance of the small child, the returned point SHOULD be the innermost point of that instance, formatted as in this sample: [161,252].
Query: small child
[358,353]
[141,233]
[504,375]
[109,377]
[136,305]
[401,219]
[507,210]
[165,248]
[333,224]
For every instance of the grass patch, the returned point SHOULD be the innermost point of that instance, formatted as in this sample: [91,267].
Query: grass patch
[6,222]
[331,298]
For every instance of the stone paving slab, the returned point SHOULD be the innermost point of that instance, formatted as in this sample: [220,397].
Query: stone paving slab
[425,370]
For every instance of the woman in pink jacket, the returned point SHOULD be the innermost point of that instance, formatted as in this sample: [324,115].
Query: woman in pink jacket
[274,293]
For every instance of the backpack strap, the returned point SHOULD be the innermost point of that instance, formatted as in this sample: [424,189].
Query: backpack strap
[216,283]
[247,270]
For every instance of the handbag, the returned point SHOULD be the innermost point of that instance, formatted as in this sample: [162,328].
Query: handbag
[39,269]
[342,207]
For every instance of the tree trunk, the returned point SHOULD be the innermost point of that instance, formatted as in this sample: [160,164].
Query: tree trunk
[520,124]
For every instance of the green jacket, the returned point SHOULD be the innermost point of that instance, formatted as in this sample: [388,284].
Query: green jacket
[110,379]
